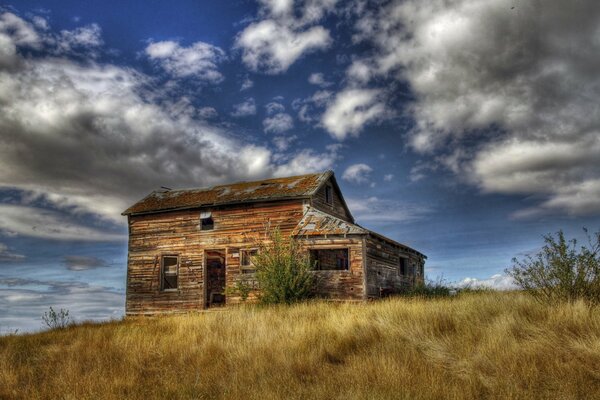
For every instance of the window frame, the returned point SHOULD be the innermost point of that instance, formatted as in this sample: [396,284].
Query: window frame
[329,194]
[347,249]
[163,272]
[403,265]
[250,268]
[212,225]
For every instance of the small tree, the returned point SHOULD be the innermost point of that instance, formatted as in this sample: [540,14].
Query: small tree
[283,270]
[561,271]
[54,320]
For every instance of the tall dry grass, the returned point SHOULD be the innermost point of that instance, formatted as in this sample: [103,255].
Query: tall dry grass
[491,345]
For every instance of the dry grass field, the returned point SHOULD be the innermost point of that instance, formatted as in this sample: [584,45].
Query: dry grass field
[474,346]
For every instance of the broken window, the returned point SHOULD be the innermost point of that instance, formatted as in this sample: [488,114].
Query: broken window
[246,263]
[402,268]
[206,221]
[329,194]
[170,266]
[329,259]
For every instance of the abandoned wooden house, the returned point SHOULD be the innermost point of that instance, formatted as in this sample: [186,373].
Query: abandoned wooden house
[187,248]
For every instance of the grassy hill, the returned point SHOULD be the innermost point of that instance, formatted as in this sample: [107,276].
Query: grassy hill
[490,345]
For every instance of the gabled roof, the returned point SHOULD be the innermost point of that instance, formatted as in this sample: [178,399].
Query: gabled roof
[319,223]
[293,187]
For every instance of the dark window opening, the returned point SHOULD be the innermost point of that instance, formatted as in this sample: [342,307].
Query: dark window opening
[207,224]
[246,263]
[403,266]
[329,194]
[169,272]
[329,259]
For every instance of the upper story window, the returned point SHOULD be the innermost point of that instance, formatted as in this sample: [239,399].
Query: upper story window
[170,272]
[206,221]
[328,194]
[246,262]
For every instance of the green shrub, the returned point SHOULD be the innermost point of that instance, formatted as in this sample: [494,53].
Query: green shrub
[283,270]
[561,271]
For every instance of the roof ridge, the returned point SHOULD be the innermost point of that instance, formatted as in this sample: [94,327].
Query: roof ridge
[241,182]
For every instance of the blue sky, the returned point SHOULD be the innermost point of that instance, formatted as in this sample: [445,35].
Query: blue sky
[466,129]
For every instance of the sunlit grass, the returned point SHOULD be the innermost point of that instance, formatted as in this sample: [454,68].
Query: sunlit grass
[481,345]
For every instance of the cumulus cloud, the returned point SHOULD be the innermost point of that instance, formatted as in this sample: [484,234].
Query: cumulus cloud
[283,34]
[319,80]
[357,173]
[306,160]
[278,123]
[245,108]
[91,138]
[82,38]
[274,108]
[246,84]
[351,110]
[505,76]
[198,60]
[282,143]
[497,281]
[388,177]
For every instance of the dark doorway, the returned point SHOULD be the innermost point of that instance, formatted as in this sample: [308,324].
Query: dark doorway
[215,278]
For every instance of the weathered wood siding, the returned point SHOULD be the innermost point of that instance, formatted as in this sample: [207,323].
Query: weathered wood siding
[178,233]
[383,267]
[341,285]
[336,209]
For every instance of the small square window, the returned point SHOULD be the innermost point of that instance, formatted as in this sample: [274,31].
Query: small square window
[170,271]
[207,224]
[246,263]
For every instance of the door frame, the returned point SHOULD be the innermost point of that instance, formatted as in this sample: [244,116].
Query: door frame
[205,294]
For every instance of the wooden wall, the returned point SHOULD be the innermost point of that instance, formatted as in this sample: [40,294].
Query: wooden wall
[178,233]
[383,268]
[336,209]
[341,285]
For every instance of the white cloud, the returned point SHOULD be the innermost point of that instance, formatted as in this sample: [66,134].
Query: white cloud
[319,80]
[246,84]
[375,210]
[282,143]
[83,263]
[41,223]
[92,138]
[351,110]
[244,109]
[275,42]
[274,108]
[7,255]
[498,282]
[198,60]
[278,123]
[207,112]
[86,37]
[506,76]
[388,177]
[306,161]
[357,173]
